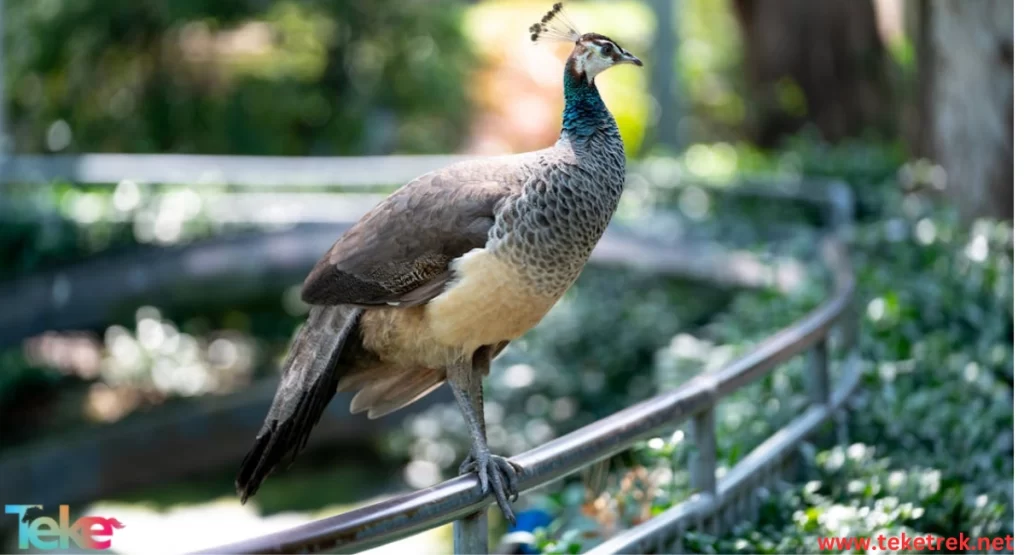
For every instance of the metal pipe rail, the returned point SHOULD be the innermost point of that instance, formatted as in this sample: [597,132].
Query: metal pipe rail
[201,169]
[460,500]
[290,172]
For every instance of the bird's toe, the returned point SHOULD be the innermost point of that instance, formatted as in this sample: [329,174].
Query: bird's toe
[510,473]
[468,465]
[503,492]
[498,476]
[485,477]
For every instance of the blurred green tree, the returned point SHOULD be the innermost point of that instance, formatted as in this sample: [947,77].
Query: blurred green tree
[287,77]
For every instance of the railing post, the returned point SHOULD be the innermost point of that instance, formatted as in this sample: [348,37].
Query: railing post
[471,534]
[850,327]
[704,462]
[818,388]
[817,372]
[842,214]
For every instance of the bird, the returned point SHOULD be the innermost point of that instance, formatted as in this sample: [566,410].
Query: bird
[434,282]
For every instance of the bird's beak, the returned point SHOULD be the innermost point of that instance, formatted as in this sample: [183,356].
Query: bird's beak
[628,58]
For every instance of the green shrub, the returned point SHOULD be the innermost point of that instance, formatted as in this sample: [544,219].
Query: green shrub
[930,429]
[235,77]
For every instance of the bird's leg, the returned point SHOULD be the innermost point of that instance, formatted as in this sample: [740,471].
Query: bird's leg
[496,474]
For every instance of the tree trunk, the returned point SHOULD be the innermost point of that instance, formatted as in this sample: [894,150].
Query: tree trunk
[814,61]
[668,130]
[967,99]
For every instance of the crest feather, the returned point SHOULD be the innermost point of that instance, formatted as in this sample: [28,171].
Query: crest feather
[555,25]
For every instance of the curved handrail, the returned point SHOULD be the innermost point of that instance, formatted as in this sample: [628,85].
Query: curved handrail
[407,514]
[641,538]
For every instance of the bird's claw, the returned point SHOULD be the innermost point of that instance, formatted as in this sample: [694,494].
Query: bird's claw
[497,475]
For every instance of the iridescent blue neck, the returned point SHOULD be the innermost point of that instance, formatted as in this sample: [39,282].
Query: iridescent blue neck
[584,112]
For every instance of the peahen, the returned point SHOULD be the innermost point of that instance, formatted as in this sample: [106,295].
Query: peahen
[433,283]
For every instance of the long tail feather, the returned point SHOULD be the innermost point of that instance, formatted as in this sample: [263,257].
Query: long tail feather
[387,397]
[309,381]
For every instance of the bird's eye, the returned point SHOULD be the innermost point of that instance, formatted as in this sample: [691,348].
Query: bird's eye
[606,50]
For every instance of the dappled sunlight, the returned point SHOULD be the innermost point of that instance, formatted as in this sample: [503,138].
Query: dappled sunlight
[157,355]
[78,354]
[143,366]
[189,528]
[184,529]
[714,162]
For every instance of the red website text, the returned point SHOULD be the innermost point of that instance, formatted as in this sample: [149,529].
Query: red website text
[903,542]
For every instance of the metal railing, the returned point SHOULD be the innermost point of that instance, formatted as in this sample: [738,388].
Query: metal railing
[718,503]
[199,169]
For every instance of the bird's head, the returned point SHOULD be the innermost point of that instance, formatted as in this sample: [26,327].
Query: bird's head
[593,52]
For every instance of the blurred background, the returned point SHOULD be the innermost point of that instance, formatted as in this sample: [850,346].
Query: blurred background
[145,302]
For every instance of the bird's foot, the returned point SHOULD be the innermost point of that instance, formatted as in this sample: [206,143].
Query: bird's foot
[497,475]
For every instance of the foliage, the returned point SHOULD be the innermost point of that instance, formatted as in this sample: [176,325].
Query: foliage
[59,223]
[235,77]
[933,427]
[710,56]
[931,430]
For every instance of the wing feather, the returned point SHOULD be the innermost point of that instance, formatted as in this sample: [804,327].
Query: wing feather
[399,253]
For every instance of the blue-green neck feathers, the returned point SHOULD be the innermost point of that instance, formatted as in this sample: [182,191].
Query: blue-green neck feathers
[584,112]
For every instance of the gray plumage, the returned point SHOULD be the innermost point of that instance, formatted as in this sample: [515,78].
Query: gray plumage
[568,195]
[435,281]
[544,209]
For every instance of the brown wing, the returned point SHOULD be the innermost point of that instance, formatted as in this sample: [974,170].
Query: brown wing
[399,253]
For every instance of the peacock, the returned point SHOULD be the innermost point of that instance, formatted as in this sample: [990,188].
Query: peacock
[437,279]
